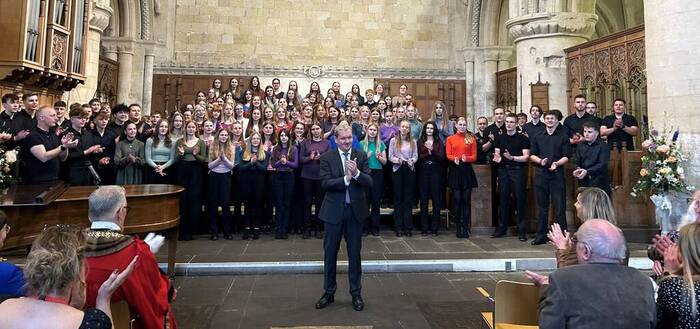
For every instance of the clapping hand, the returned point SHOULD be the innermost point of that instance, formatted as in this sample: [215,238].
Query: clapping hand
[662,243]
[538,279]
[181,150]
[283,159]
[497,157]
[131,158]
[580,173]
[104,161]
[553,167]
[618,123]
[672,262]
[507,155]
[543,162]
[558,238]
[351,166]
[195,150]
[68,142]
[5,136]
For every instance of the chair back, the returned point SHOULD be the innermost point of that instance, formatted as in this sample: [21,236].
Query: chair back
[121,316]
[516,303]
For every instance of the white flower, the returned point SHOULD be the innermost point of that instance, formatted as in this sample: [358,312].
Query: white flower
[679,170]
[11,156]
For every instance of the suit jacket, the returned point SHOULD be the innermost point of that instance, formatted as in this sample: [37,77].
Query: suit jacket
[11,279]
[598,296]
[594,158]
[333,184]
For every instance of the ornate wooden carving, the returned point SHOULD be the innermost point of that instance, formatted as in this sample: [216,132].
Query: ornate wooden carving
[539,94]
[108,75]
[59,52]
[507,89]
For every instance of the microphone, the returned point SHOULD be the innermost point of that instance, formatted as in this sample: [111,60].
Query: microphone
[94,174]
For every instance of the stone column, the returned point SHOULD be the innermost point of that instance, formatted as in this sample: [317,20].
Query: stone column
[672,42]
[540,39]
[126,61]
[147,80]
[482,63]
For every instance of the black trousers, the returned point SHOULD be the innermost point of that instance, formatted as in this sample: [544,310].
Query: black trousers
[550,186]
[236,199]
[254,182]
[219,195]
[462,204]
[430,182]
[374,195]
[511,179]
[268,200]
[296,218]
[189,176]
[283,187]
[151,177]
[404,180]
[351,229]
[313,194]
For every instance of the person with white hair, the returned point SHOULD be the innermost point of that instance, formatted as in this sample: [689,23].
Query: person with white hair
[148,291]
[601,292]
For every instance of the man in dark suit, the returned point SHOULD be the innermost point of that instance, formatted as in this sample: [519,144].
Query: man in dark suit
[600,292]
[344,177]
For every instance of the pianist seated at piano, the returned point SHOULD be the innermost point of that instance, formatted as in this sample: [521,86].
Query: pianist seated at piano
[11,276]
[148,291]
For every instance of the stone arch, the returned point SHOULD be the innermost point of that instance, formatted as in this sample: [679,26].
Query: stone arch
[492,31]
[132,19]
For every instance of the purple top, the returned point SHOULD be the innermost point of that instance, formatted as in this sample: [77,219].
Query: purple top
[407,154]
[221,166]
[291,163]
[386,133]
[311,169]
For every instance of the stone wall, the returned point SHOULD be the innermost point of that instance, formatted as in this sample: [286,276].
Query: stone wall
[406,34]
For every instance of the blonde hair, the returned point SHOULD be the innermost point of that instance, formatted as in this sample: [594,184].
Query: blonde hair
[595,203]
[468,136]
[215,148]
[377,140]
[55,261]
[689,248]
[248,148]
[409,138]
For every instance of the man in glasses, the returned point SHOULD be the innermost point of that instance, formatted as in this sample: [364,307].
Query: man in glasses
[601,292]
[147,290]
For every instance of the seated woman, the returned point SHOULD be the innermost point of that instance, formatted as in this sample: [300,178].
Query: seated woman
[55,272]
[11,277]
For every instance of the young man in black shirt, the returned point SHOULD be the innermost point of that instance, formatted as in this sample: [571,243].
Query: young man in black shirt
[512,152]
[620,127]
[9,123]
[26,120]
[574,122]
[550,151]
[481,139]
[535,126]
[592,110]
[42,151]
[497,128]
[121,116]
[76,164]
[592,157]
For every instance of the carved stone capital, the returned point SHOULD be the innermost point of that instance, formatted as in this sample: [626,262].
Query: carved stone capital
[487,54]
[101,13]
[542,25]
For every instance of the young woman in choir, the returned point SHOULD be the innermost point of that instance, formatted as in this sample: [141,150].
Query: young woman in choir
[191,155]
[403,154]
[211,95]
[284,160]
[269,98]
[321,114]
[296,219]
[268,114]
[311,150]
[431,157]
[460,149]
[200,97]
[282,104]
[207,133]
[221,161]
[215,115]
[293,86]
[255,123]
[359,126]
[227,118]
[379,92]
[328,102]
[253,169]
[307,115]
[247,101]
[107,138]
[233,89]
[269,140]
[354,114]
[216,85]
[314,89]
[200,115]
[282,121]
[254,86]
[355,90]
[351,101]
[129,157]
[239,117]
[176,126]
[314,99]
[236,193]
[400,113]
[376,156]
[160,155]
[256,104]
[333,120]
[375,116]
[444,126]
[294,115]
[388,129]
[387,100]
[292,100]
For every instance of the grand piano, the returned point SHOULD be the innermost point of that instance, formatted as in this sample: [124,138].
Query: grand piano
[30,208]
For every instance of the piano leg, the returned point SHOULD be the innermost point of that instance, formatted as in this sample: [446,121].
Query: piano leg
[172,249]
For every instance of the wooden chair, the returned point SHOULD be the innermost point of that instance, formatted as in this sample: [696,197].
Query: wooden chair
[516,303]
[121,316]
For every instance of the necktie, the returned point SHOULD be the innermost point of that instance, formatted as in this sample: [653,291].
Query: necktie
[345,165]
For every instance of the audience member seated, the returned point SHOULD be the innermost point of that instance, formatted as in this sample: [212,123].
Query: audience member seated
[677,303]
[600,292]
[662,242]
[55,271]
[147,290]
[11,276]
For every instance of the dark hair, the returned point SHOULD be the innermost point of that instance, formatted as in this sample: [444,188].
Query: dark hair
[620,100]
[536,106]
[512,115]
[273,80]
[3,219]
[59,104]
[120,108]
[30,94]
[580,96]
[134,104]
[424,135]
[591,124]
[9,97]
[97,100]
[77,112]
[277,150]
[594,104]
[556,113]
[522,115]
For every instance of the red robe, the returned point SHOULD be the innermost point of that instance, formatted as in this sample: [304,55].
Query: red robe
[145,290]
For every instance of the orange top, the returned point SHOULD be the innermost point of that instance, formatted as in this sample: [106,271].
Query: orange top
[455,147]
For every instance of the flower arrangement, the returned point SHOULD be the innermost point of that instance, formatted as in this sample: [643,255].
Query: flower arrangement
[8,157]
[661,166]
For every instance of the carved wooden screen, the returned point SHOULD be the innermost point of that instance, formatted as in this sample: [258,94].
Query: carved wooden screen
[507,89]
[173,91]
[107,80]
[426,92]
[608,68]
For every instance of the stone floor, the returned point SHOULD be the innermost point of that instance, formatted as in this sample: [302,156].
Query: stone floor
[398,300]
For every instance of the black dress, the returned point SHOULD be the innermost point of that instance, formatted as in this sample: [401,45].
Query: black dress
[95,319]
[461,177]
[674,308]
